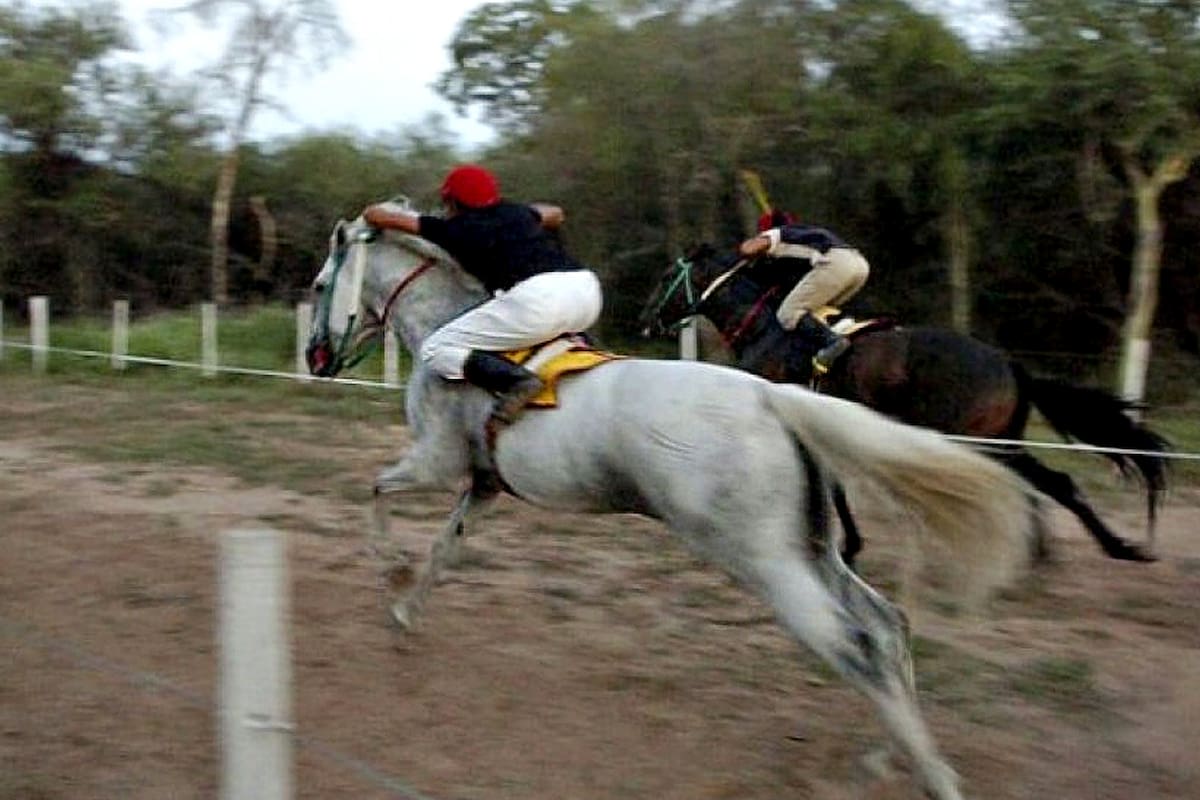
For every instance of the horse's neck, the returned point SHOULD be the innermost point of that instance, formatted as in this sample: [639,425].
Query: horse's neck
[728,307]
[430,300]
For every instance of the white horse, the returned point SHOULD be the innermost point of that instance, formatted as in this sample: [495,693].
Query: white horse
[737,467]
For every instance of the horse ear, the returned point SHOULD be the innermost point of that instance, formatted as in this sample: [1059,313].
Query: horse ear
[338,238]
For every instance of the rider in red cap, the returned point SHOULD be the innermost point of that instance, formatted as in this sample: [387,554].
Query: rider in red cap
[835,273]
[538,291]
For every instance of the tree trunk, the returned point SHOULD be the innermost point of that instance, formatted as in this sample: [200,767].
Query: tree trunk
[954,184]
[268,237]
[221,208]
[958,243]
[1142,300]
[227,178]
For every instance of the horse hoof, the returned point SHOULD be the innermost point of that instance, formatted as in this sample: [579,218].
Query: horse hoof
[402,617]
[1131,552]
[399,578]
[877,764]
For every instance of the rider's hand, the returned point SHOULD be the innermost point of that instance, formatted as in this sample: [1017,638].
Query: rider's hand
[754,247]
[377,216]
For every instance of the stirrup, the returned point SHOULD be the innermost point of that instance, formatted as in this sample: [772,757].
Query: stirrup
[509,406]
[825,357]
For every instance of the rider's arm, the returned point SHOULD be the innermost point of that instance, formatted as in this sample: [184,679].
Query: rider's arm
[551,216]
[760,244]
[379,216]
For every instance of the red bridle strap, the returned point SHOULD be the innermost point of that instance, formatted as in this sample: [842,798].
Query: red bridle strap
[400,287]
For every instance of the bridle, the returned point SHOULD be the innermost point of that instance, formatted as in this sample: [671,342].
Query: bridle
[683,276]
[352,348]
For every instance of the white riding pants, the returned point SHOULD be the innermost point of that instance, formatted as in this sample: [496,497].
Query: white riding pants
[536,310]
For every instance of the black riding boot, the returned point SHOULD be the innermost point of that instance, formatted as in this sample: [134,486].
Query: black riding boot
[827,343]
[513,385]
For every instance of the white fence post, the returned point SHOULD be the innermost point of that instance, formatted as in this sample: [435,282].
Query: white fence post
[255,689]
[120,333]
[304,318]
[39,330]
[208,339]
[689,340]
[391,358]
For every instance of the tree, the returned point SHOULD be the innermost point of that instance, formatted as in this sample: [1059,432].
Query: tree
[56,77]
[500,52]
[265,39]
[896,109]
[54,73]
[1126,73]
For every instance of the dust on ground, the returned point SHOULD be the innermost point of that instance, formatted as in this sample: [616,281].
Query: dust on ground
[567,656]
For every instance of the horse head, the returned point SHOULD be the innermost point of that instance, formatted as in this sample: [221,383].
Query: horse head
[363,277]
[680,289]
[339,330]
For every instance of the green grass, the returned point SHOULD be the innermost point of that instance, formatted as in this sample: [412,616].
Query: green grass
[262,338]
[1180,426]
[1060,682]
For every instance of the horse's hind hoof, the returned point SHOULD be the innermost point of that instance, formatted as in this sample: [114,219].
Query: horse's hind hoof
[1124,551]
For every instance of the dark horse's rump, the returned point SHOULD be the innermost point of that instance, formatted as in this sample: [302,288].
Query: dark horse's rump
[927,376]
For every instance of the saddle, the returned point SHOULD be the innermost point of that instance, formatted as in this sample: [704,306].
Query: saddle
[569,353]
[800,346]
[850,327]
[565,355]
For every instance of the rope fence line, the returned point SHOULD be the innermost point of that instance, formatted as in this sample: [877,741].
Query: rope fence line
[984,443]
[168,362]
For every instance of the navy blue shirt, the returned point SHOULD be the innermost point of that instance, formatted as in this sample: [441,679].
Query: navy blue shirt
[818,239]
[501,245]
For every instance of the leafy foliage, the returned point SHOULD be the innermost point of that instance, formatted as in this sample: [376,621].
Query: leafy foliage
[1012,161]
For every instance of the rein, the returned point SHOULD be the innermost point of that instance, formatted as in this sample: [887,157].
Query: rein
[684,276]
[751,315]
[720,279]
[344,354]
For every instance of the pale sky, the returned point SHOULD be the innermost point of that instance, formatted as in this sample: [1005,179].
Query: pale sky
[381,83]
[383,80]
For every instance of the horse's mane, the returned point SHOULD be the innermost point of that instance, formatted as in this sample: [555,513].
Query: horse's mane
[416,244]
[765,272]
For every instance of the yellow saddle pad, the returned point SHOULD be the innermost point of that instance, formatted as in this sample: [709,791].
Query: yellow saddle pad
[556,358]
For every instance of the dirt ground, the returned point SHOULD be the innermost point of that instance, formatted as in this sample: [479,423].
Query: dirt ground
[572,657]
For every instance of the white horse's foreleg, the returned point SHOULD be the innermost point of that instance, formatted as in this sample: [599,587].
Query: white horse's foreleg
[444,552]
[404,586]
[865,640]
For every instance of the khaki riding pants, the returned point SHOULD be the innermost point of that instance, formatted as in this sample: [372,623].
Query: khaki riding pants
[834,278]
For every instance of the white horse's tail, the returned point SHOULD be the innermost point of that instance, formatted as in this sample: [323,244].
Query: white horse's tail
[979,510]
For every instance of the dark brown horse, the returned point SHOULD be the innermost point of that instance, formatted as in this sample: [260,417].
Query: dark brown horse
[927,376]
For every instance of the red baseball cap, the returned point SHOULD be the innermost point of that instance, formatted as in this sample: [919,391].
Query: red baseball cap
[472,186]
[774,219]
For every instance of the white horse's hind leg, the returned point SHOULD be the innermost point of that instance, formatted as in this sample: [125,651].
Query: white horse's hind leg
[865,639]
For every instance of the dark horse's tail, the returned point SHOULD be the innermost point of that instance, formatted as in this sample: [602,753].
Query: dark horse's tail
[1098,418]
